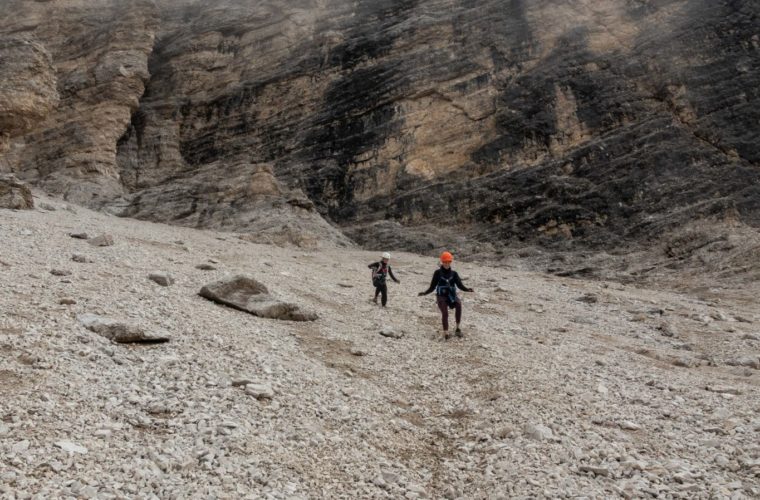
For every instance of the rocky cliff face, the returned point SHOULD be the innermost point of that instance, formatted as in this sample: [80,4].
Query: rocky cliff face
[599,122]
[99,56]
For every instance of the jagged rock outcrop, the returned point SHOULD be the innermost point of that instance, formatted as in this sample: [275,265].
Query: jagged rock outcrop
[27,87]
[14,194]
[605,122]
[99,53]
[235,196]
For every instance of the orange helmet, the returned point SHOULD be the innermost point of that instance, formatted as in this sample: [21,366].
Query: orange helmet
[446,257]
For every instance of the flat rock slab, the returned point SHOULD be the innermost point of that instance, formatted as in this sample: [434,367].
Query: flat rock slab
[104,240]
[117,331]
[71,447]
[259,390]
[247,294]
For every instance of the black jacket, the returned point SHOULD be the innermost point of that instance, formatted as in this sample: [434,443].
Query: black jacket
[379,271]
[446,273]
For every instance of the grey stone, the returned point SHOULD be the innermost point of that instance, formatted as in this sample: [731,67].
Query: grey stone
[162,279]
[88,492]
[629,426]
[241,381]
[118,331]
[104,240]
[71,447]
[391,333]
[538,432]
[667,329]
[588,298]
[247,294]
[598,471]
[748,361]
[20,447]
[259,390]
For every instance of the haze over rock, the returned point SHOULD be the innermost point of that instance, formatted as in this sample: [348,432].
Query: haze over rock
[603,123]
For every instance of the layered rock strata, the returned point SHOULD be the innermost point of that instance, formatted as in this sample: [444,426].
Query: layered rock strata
[599,122]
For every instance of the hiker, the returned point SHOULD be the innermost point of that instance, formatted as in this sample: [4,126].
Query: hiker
[380,271]
[445,283]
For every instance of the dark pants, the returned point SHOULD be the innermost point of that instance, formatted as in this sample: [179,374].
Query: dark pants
[382,288]
[443,305]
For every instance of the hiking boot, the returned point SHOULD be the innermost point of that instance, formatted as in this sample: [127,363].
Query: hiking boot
[446,336]
[374,299]
[458,333]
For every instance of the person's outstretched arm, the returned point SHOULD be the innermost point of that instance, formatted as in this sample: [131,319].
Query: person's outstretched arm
[390,273]
[460,285]
[433,282]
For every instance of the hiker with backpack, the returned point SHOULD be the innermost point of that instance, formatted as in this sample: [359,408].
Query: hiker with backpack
[380,271]
[445,283]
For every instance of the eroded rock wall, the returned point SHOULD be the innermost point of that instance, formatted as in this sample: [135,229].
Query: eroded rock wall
[593,122]
[99,53]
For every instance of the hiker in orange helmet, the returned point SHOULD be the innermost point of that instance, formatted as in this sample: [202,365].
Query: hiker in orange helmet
[445,283]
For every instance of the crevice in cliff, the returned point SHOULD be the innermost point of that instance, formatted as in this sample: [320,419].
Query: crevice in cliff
[128,146]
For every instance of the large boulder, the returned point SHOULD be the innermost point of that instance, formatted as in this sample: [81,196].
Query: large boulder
[14,194]
[247,294]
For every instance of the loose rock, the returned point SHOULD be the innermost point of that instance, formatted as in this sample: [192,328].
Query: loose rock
[259,390]
[122,333]
[391,333]
[538,432]
[104,240]
[598,471]
[71,447]
[162,279]
[247,294]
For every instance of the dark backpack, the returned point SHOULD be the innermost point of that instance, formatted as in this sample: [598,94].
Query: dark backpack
[447,288]
[379,275]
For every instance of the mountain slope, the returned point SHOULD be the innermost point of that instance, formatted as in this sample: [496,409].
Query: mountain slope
[561,386]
